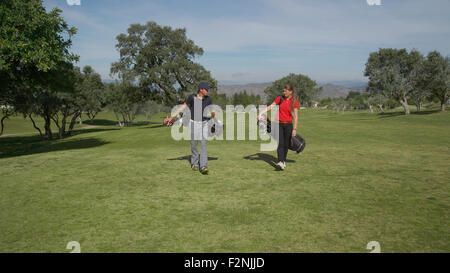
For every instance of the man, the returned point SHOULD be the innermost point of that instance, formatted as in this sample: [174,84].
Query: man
[199,126]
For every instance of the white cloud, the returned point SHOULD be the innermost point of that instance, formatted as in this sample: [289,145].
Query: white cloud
[281,28]
[293,24]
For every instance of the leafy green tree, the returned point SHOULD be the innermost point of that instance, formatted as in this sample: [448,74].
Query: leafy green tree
[122,101]
[34,57]
[87,95]
[390,73]
[6,112]
[92,91]
[325,101]
[420,93]
[369,101]
[219,99]
[244,99]
[436,77]
[339,104]
[352,95]
[381,101]
[149,108]
[161,61]
[355,100]
[307,90]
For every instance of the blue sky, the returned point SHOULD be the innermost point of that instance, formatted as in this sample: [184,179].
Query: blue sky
[250,41]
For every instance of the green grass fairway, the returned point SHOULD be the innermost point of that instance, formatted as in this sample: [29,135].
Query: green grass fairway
[361,178]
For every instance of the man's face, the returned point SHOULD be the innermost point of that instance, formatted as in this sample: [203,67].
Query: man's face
[204,92]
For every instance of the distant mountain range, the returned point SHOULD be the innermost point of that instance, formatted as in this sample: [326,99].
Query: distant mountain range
[330,90]
[251,88]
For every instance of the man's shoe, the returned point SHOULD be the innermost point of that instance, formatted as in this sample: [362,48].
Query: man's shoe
[284,165]
[204,170]
[194,167]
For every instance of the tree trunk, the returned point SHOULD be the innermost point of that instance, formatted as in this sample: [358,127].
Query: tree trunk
[62,130]
[3,125]
[3,119]
[81,120]
[442,106]
[404,103]
[48,130]
[381,107]
[418,106]
[124,120]
[118,119]
[72,122]
[56,121]
[91,116]
[34,125]
[371,109]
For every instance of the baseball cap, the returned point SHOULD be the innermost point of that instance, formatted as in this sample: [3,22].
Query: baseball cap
[203,85]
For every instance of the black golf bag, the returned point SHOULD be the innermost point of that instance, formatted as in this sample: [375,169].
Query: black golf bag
[297,143]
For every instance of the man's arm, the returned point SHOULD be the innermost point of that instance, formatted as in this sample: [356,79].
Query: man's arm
[176,113]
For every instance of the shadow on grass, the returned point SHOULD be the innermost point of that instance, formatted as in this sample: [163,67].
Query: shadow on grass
[106,122]
[270,159]
[92,130]
[28,145]
[156,126]
[188,158]
[100,122]
[402,113]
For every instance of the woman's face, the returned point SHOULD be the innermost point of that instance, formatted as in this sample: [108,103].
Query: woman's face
[287,92]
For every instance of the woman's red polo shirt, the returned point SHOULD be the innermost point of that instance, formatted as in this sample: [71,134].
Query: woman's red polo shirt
[284,113]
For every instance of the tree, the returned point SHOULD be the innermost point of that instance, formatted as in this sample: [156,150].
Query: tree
[355,100]
[390,73]
[436,74]
[122,101]
[34,55]
[161,61]
[339,104]
[306,89]
[369,101]
[6,113]
[218,99]
[92,92]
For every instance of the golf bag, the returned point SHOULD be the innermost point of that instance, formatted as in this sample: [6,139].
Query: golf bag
[265,126]
[297,144]
[215,128]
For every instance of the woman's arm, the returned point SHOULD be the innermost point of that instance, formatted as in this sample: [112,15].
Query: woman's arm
[294,130]
[268,108]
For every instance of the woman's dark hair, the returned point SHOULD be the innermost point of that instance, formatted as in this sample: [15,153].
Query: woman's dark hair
[294,95]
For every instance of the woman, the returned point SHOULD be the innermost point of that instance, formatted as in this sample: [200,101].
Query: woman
[288,111]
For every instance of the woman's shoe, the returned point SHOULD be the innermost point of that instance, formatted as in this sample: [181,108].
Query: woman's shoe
[280,166]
